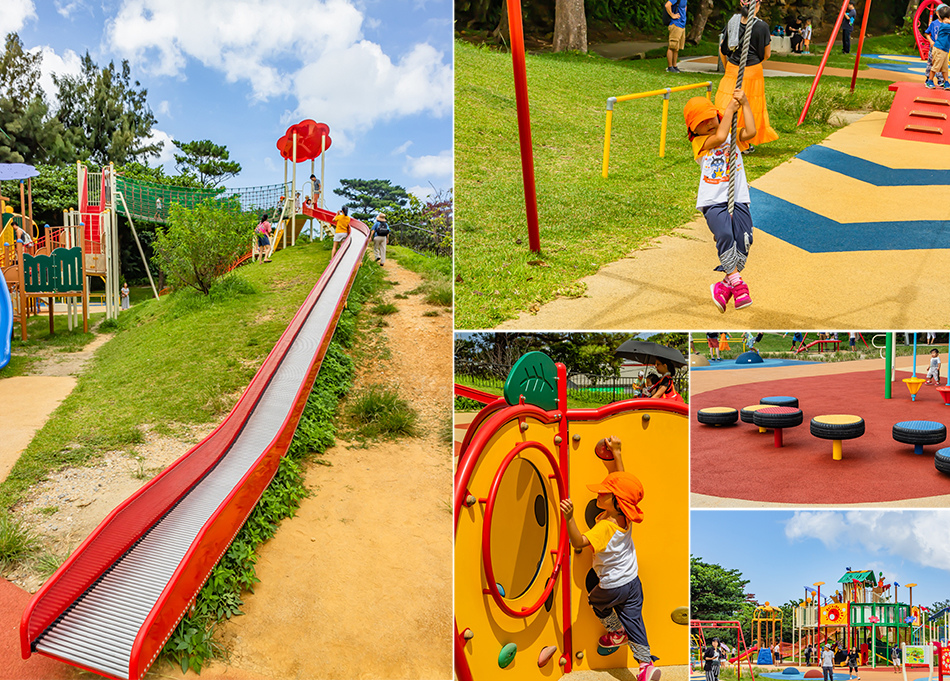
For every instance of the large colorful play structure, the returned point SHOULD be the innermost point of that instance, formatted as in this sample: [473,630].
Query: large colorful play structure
[863,612]
[521,609]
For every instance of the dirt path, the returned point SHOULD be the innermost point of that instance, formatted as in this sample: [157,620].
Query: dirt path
[359,584]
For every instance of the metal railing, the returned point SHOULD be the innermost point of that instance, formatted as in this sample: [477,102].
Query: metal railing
[666,92]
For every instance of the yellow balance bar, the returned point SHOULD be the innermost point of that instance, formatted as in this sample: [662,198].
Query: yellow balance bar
[666,92]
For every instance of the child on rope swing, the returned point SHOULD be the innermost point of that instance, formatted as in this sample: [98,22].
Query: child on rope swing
[710,136]
[617,600]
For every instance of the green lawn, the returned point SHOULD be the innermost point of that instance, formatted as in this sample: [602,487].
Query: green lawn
[777,345]
[587,221]
[182,360]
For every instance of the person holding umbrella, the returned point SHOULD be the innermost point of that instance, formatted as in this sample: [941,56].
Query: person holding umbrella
[665,359]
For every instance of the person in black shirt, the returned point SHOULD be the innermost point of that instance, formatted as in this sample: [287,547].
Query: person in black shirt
[793,30]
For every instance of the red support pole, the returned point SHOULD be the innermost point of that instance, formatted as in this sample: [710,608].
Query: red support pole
[564,463]
[524,122]
[864,28]
[824,60]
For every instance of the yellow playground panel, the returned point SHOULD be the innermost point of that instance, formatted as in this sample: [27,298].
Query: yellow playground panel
[515,465]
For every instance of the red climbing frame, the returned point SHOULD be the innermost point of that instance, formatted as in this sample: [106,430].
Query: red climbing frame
[824,58]
[923,45]
[740,640]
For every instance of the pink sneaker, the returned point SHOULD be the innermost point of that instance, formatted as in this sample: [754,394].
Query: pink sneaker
[649,673]
[721,294]
[612,639]
[742,298]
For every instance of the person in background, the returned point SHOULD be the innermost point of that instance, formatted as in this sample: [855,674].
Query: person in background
[124,295]
[341,222]
[380,237]
[847,25]
[711,658]
[806,37]
[315,189]
[676,13]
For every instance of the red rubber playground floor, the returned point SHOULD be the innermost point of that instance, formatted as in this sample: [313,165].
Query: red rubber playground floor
[13,601]
[739,463]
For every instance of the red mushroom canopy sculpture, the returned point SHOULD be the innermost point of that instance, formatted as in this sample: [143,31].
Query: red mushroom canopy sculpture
[310,136]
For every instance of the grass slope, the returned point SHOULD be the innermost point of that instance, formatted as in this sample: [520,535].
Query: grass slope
[587,221]
[182,360]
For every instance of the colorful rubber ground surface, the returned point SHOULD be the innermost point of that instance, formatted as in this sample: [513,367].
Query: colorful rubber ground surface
[851,230]
[13,601]
[738,462]
[766,364]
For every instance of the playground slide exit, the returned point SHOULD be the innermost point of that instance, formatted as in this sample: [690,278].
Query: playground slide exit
[6,324]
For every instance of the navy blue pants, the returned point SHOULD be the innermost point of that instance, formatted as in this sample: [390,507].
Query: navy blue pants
[622,607]
[733,234]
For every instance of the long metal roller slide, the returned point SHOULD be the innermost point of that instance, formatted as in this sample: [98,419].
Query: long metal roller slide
[112,605]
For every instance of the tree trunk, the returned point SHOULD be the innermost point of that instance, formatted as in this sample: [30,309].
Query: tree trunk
[570,26]
[699,21]
[502,31]
[479,10]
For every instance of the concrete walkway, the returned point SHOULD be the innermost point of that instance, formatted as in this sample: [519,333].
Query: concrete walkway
[665,284]
[627,49]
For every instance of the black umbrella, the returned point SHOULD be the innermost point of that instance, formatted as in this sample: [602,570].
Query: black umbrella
[646,352]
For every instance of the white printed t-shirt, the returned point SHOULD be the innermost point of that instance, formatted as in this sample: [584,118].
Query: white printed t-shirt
[615,557]
[714,181]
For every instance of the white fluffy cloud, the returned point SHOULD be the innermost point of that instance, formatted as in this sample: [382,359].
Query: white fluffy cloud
[312,50]
[422,193]
[429,167]
[917,536]
[15,14]
[167,154]
[66,64]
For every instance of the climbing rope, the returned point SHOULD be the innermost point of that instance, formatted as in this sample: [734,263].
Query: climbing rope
[734,132]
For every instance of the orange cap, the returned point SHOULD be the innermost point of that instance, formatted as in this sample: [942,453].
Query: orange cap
[697,110]
[628,490]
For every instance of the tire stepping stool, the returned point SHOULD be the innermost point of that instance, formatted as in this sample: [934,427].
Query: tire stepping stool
[780,401]
[919,433]
[942,460]
[837,427]
[746,413]
[717,416]
[777,418]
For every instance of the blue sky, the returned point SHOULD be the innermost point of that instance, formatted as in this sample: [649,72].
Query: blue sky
[239,72]
[780,552]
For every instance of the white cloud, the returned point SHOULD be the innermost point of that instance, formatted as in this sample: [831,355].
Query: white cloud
[269,165]
[66,8]
[917,536]
[402,148]
[67,64]
[15,14]
[167,154]
[164,108]
[312,50]
[431,166]
[422,193]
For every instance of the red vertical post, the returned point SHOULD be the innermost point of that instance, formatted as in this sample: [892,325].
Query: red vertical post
[524,122]
[824,60]
[564,462]
[864,28]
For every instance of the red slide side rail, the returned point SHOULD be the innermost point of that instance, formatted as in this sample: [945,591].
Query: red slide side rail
[133,517]
[474,394]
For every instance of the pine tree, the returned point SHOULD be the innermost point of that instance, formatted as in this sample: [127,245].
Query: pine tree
[368,198]
[207,161]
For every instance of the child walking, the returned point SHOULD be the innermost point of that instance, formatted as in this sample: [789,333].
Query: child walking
[933,373]
[806,36]
[940,35]
[710,136]
[617,600]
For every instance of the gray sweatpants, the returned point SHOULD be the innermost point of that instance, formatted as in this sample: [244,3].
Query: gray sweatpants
[379,248]
[733,234]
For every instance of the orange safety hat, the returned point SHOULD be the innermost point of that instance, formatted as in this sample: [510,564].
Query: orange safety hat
[628,490]
[697,110]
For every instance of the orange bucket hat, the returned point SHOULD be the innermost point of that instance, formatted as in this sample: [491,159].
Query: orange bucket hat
[697,110]
[628,490]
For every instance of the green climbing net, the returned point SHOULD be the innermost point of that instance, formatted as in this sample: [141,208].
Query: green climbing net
[150,201]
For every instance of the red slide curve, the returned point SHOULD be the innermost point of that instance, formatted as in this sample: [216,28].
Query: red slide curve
[114,603]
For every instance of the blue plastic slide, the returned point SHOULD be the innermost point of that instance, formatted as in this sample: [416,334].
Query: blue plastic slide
[6,323]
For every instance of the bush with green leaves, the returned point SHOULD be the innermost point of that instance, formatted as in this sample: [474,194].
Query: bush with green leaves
[198,245]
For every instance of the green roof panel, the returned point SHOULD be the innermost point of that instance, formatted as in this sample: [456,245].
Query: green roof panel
[864,576]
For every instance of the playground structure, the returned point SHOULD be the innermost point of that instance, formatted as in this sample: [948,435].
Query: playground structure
[666,92]
[115,601]
[766,631]
[521,608]
[699,643]
[858,615]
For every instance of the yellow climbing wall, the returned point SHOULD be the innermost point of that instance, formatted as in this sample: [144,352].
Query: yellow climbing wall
[524,533]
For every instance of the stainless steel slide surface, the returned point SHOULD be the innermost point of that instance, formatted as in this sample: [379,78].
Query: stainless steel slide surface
[99,629]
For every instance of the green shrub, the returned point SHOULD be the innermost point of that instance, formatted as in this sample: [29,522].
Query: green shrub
[380,412]
[16,540]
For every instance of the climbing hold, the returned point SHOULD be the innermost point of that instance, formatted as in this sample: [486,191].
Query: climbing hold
[524,426]
[580,655]
[562,661]
[602,451]
[680,615]
[576,438]
[507,654]
[501,589]
[468,634]
[547,652]
[557,439]
[470,500]
[646,419]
